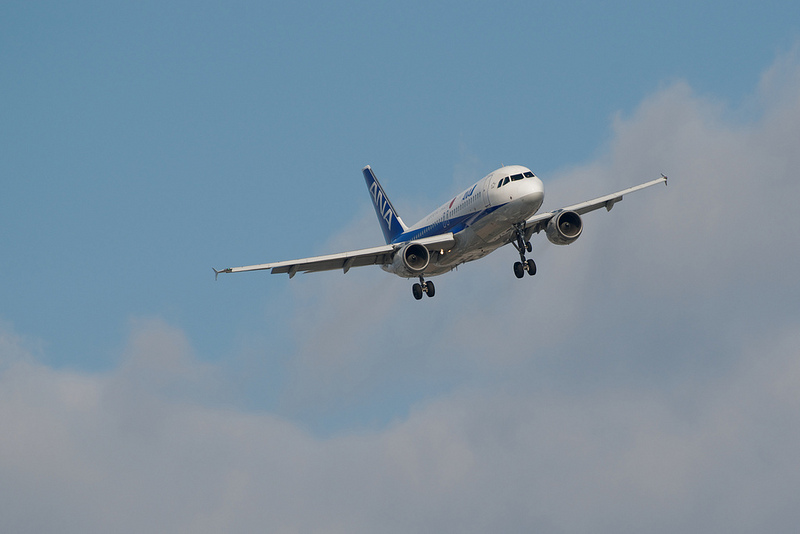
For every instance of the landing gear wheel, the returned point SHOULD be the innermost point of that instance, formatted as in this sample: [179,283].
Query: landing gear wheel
[522,245]
[519,270]
[430,289]
[417,290]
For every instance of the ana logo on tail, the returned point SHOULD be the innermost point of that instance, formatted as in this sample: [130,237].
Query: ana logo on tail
[391,225]
[382,205]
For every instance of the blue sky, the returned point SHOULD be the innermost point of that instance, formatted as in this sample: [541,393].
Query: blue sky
[142,144]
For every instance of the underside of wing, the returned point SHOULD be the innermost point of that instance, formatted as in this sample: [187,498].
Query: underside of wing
[435,242]
[331,262]
[381,255]
[538,222]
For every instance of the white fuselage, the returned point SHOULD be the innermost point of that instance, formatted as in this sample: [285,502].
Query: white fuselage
[499,209]
[481,217]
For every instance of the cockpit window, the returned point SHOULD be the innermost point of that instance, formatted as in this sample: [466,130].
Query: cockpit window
[515,177]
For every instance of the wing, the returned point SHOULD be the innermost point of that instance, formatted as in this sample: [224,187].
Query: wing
[538,222]
[344,260]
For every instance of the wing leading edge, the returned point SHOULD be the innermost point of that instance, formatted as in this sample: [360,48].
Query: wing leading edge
[538,222]
[344,260]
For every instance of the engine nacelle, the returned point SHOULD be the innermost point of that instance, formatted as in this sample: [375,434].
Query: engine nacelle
[564,228]
[411,260]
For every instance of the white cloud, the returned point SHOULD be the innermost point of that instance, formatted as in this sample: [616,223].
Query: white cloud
[718,455]
[646,380]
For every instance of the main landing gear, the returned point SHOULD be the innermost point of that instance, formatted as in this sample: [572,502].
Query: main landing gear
[423,287]
[522,246]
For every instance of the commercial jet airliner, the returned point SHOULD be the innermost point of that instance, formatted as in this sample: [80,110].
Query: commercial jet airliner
[499,209]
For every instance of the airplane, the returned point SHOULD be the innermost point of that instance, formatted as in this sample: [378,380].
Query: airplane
[497,210]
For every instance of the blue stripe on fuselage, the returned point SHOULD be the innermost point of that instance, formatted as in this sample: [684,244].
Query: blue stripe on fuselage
[455,225]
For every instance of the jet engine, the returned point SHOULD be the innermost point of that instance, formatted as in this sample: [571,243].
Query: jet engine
[564,228]
[410,260]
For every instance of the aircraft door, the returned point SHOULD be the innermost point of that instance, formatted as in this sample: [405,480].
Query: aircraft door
[487,187]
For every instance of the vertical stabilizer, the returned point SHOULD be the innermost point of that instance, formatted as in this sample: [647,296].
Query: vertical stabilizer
[391,224]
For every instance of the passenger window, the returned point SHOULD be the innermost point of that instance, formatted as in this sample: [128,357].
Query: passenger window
[516,177]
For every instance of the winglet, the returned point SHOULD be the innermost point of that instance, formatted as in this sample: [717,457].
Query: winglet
[217,273]
[664,176]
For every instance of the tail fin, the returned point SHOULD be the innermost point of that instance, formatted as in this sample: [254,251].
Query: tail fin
[391,224]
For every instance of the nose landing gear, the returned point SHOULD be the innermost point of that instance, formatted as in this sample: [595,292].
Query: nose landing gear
[522,246]
[423,287]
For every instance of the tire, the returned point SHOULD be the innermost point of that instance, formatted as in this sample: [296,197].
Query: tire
[531,267]
[519,270]
[416,289]
[431,289]
[528,246]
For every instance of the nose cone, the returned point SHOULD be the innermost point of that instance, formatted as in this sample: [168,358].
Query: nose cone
[534,193]
[525,197]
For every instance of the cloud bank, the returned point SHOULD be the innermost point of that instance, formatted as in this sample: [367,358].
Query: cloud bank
[645,380]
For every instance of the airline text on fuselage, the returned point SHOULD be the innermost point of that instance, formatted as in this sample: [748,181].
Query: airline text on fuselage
[468,194]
